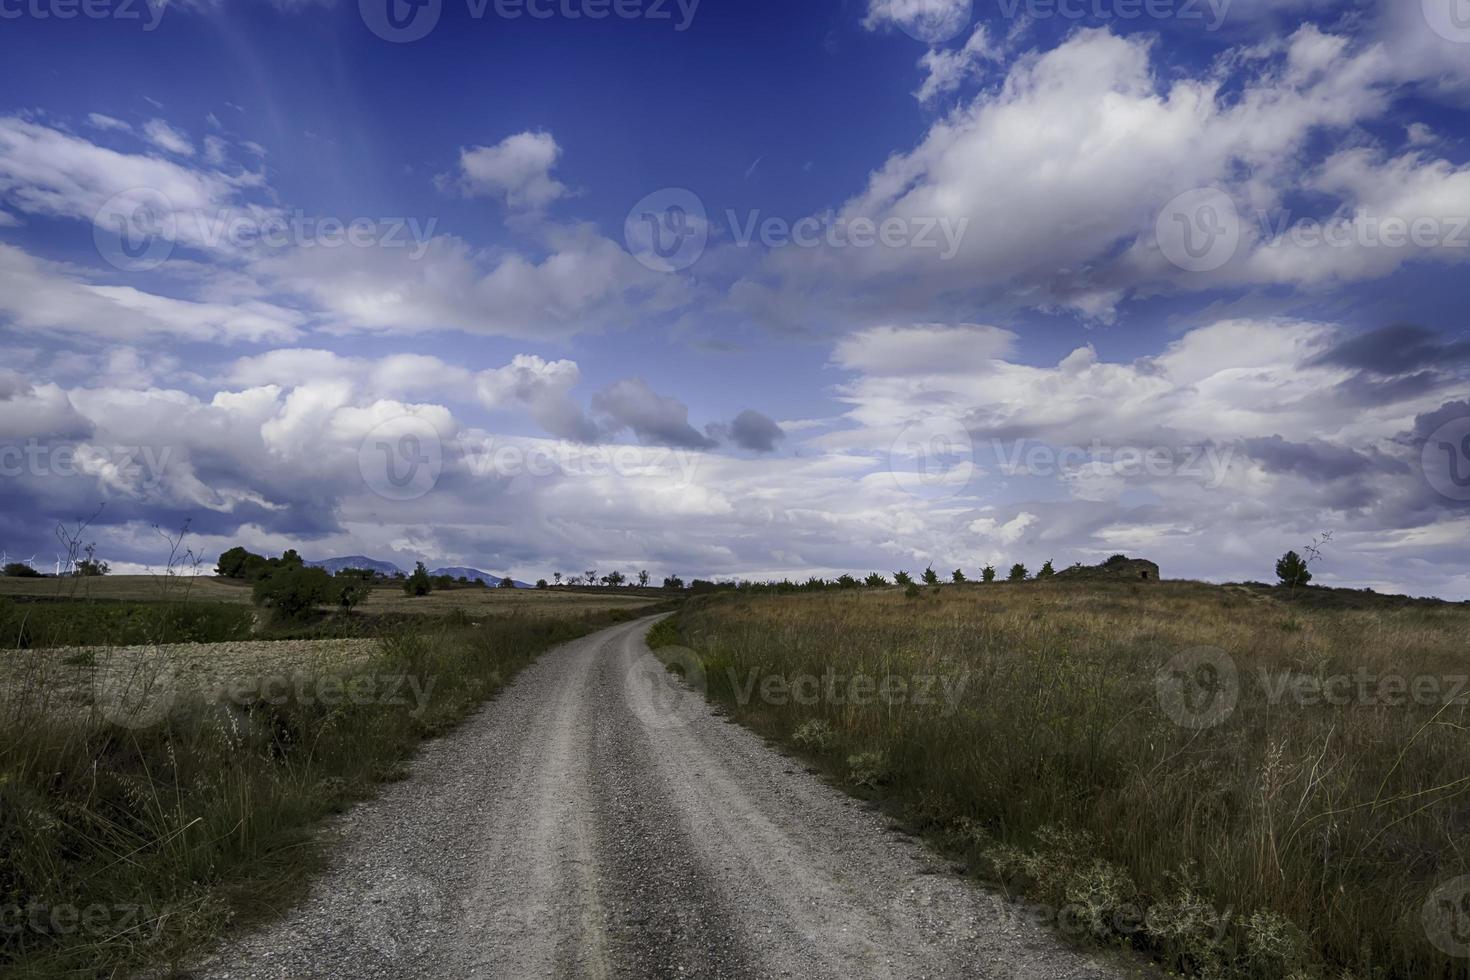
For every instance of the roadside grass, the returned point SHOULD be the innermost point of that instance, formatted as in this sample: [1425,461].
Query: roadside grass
[1290,838]
[133,834]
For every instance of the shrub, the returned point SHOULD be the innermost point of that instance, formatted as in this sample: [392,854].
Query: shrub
[419,583]
[542,584]
[903,578]
[931,577]
[987,574]
[912,590]
[1292,570]
[506,583]
[1018,573]
[958,576]
[293,591]
[1046,570]
[875,581]
[18,569]
[815,735]
[350,590]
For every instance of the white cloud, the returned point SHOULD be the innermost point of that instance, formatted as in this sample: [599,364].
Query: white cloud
[517,170]
[98,121]
[165,137]
[946,70]
[49,297]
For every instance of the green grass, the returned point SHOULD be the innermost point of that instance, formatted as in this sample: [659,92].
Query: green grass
[127,847]
[26,625]
[1291,839]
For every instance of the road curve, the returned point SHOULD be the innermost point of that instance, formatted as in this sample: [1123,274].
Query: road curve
[599,820]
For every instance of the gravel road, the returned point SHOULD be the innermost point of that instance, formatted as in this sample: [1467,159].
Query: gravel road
[599,820]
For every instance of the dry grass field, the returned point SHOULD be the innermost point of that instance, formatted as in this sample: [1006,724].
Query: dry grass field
[1243,786]
[384,598]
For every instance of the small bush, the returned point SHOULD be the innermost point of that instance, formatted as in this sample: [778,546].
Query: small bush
[815,735]
[868,770]
[293,591]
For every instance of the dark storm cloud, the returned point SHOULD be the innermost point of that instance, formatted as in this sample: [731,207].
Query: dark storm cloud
[1395,350]
[749,430]
[1315,460]
[655,419]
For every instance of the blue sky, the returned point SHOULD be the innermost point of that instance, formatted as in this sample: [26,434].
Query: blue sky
[779,409]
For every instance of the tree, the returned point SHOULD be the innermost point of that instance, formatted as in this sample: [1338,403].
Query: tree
[88,567]
[958,576]
[291,559]
[903,578]
[674,582]
[19,569]
[507,582]
[845,581]
[556,577]
[241,564]
[1046,570]
[875,581]
[293,590]
[614,579]
[1292,570]
[419,583]
[931,577]
[643,579]
[351,589]
[590,576]
[987,574]
[1018,572]
[541,584]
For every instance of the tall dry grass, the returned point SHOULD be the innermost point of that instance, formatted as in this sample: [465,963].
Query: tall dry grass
[1290,839]
[135,829]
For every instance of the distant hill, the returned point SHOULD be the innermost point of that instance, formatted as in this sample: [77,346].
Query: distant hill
[335,565]
[475,575]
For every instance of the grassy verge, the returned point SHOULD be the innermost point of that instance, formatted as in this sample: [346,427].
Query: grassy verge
[130,837]
[1243,789]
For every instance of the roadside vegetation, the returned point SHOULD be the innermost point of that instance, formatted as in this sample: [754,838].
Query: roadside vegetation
[180,795]
[1242,781]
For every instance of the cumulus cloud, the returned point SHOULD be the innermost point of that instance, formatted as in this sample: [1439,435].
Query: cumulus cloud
[517,170]
[1064,215]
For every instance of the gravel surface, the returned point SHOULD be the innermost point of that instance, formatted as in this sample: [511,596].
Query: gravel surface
[599,820]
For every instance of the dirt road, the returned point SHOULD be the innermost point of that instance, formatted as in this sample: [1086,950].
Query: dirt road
[598,820]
